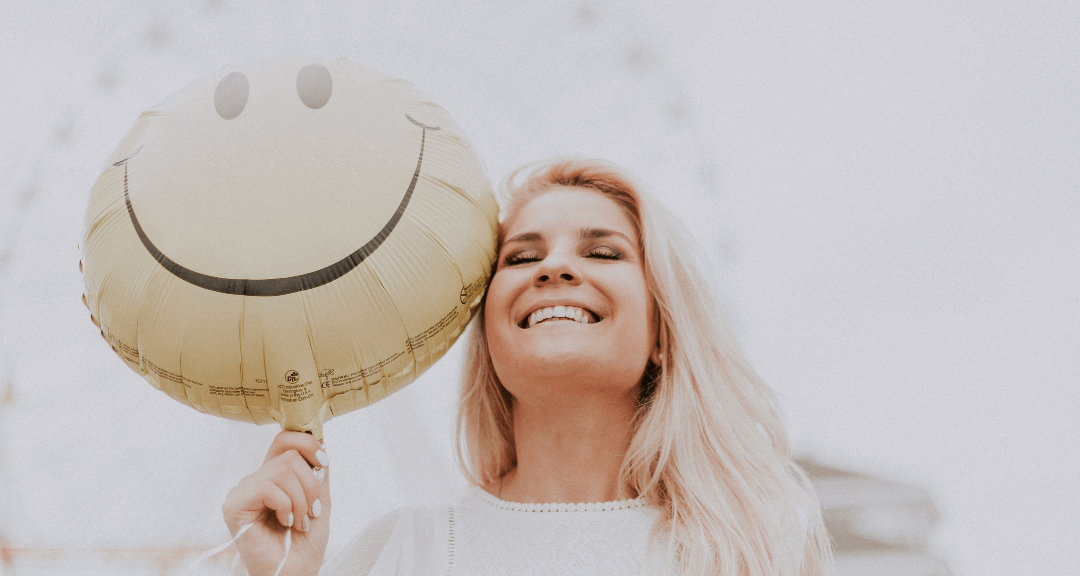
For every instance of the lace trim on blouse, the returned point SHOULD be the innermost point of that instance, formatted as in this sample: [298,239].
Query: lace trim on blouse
[552,507]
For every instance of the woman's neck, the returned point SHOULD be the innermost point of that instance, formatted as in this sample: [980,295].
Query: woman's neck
[568,451]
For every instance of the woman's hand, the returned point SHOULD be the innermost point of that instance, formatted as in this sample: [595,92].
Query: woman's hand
[292,484]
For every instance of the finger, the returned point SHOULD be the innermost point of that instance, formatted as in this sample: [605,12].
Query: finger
[249,500]
[321,523]
[308,481]
[324,488]
[286,479]
[276,499]
[305,444]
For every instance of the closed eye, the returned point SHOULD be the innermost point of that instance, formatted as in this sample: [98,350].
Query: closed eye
[605,252]
[522,257]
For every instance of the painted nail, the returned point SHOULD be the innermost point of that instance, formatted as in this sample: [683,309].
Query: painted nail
[307,523]
[321,475]
[290,519]
[321,457]
[316,508]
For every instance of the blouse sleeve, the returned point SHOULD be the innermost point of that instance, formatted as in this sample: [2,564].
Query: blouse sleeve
[359,556]
[403,542]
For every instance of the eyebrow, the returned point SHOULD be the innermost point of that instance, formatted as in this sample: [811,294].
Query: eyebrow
[525,237]
[591,233]
[585,234]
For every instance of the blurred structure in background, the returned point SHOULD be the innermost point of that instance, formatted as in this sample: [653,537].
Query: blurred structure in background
[878,528]
[142,561]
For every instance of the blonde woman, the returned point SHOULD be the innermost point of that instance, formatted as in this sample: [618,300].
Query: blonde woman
[607,423]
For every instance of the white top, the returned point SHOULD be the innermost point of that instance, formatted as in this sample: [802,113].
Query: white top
[483,535]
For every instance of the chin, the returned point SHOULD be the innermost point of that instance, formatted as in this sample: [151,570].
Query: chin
[557,357]
[568,370]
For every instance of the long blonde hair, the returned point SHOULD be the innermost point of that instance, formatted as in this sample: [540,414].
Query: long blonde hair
[708,446]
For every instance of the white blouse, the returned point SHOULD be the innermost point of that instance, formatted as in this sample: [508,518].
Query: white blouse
[483,535]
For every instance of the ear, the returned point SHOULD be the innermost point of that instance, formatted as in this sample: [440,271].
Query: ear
[657,356]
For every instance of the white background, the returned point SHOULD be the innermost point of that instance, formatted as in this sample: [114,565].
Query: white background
[890,193]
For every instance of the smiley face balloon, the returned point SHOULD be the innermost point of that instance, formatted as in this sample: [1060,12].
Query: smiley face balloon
[288,241]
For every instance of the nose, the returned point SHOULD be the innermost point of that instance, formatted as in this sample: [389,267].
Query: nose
[557,269]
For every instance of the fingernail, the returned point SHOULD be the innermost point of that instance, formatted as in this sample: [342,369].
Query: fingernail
[290,519]
[307,523]
[321,457]
[321,475]
[316,508]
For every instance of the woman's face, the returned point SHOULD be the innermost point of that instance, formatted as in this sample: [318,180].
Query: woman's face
[568,310]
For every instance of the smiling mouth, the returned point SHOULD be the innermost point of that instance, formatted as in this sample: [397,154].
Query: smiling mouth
[277,286]
[560,313]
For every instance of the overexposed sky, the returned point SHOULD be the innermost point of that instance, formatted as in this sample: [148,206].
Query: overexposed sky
[889,193]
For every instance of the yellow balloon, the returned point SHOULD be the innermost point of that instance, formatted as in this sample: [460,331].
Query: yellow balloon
[287,241]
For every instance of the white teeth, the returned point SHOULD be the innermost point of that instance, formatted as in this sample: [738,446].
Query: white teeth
[568,312]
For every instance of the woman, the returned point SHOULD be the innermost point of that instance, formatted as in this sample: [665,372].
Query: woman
[597,372]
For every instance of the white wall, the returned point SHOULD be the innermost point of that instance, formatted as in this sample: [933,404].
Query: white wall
[890,193]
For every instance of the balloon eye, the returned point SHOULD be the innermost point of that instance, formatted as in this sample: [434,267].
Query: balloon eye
[231,95]
[314,85]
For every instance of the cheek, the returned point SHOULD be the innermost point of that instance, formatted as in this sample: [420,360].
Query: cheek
[498,298]
[645,330]
[496,310]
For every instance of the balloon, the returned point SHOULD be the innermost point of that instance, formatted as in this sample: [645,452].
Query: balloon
[287,241]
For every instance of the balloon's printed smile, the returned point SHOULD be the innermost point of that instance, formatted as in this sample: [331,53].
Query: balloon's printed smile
[277,286]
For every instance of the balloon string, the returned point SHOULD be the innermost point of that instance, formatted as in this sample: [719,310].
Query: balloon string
[217,549]
[288,544]
[235,563]
[236,560]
